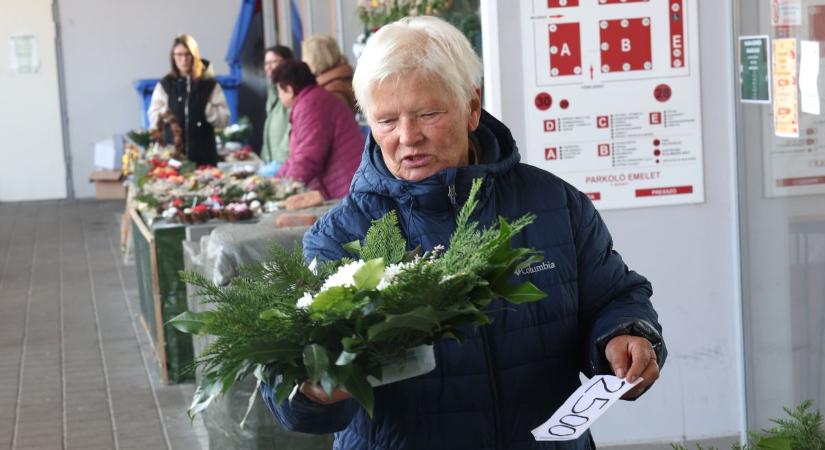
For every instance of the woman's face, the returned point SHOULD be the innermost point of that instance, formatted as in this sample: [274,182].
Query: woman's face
[286,95]
[183,59]
[420,127]
[271,61]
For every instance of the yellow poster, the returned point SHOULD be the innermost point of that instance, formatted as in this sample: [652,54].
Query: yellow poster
[786,98]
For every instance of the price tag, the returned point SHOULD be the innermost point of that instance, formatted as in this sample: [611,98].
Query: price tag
[586,405]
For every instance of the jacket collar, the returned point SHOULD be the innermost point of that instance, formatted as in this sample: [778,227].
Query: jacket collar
[449,188]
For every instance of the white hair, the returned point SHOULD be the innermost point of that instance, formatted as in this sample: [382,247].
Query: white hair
[422,45]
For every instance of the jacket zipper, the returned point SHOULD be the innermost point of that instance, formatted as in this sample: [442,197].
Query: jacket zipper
[488,354]
[451,194]
[186,115]
[491,376]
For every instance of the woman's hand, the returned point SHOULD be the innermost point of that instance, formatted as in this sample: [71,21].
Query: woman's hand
[316,394]
[633,357]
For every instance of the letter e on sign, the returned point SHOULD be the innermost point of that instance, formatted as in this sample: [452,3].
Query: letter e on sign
[655,118]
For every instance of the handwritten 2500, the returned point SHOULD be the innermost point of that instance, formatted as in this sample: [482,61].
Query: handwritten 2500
[578,415]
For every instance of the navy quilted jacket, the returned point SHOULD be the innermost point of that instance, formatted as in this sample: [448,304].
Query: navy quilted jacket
[508,377]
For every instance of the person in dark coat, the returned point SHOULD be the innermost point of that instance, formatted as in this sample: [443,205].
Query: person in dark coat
[192,94]
[418,83]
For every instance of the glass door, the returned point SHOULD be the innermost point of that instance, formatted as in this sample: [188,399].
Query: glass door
[782,202]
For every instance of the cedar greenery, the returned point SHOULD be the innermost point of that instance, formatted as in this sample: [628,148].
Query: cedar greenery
[349,331]
[804,430]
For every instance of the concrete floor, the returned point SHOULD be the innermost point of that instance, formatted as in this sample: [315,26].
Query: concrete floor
[76,368]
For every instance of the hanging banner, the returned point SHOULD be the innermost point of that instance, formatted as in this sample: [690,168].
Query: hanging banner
[612,98]
[786,13]
[754,69]
[786,99]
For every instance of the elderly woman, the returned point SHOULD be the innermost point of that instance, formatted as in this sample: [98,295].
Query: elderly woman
[192,94]
[418,83]
[325,142]
[330,67]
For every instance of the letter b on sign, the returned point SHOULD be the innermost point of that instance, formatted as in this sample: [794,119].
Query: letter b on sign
[604,149]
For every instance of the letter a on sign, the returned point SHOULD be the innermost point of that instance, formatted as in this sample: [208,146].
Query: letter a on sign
[565,50]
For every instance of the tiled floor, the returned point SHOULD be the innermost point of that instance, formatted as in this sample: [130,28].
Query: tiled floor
[76,368]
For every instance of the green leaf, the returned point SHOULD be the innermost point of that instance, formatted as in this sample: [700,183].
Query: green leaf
[208,389]
[190,322]
[272,314]
[336,299]
[369,275]
[316,361]
[384,240]
[345,358]
[423,318]
[522,293]
[328,382]
[283,390]
[271,353]
[774,443]
[356,384]
[353,247]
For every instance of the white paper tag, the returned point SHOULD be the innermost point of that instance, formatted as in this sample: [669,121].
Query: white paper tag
[809,76]
[586,405]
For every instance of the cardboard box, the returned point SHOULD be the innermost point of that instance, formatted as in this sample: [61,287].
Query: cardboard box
[108,184]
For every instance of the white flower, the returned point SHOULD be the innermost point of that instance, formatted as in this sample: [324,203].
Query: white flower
[255,205]
[390,273]
[343,277]
[304,302]
[169,213]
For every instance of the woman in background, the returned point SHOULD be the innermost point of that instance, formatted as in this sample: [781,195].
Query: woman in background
[330,67]
[276,128]
[192,94]
[325,143]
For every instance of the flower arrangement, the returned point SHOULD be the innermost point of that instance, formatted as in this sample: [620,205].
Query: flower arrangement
[237,132]
[339,323]
[172,191]
[376,13]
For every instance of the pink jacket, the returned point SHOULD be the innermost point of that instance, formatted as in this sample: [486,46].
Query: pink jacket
[325,143]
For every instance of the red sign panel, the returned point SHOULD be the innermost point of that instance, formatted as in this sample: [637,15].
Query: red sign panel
[593,196]
[565,49]
[656,192]
[677,33]
[655,118]
[550,125]
[800,181]
[625,45]
[551,153]
[562,3]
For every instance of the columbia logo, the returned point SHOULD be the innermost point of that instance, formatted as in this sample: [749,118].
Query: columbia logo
[533,269]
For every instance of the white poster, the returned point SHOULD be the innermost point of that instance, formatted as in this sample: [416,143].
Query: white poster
[796,166]
[612,98]
[809,77]
[23,56]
